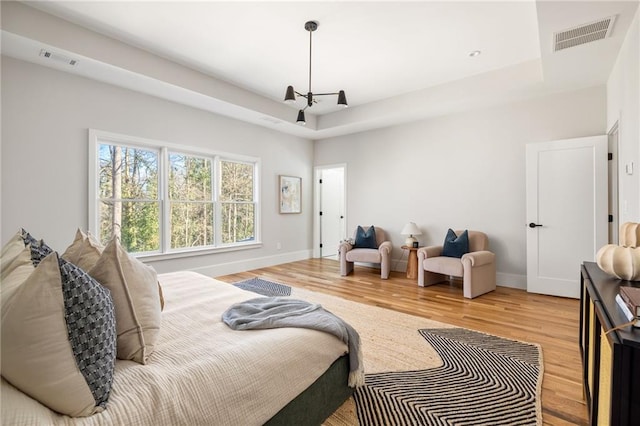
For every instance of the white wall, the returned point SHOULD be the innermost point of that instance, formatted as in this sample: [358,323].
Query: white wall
[46,115]
[461,171]
[623,106]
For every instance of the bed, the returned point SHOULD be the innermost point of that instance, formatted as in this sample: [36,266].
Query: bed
[204,373]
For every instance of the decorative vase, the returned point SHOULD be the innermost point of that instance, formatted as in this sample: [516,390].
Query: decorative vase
[619,261]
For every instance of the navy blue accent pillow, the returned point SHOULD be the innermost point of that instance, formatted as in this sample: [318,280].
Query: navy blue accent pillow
[366,239]
[455,246]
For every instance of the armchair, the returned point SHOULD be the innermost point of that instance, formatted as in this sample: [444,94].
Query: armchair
[477,268]
[382,255]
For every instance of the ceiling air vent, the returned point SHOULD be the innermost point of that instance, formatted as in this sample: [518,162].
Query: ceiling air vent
[583,34]
[57,57]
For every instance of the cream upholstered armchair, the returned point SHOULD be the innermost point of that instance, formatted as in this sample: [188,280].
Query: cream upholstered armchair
[477,267]
[379,251]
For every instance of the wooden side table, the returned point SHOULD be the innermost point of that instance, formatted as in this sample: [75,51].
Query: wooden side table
[412,262]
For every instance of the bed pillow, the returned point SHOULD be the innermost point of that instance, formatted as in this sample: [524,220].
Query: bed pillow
[135,290]
[454,245]
[20,256]
[39,250]
[19,270]
[84,251]
[27,237]
[366,239]
[21,251]
[72,253]
[14,246]
[10,251]
[160,296]
[58,338]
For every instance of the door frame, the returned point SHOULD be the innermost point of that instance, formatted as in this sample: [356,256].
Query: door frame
[613,167]
[599,143]
[317,171]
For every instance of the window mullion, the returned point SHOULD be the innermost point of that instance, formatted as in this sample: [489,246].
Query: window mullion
[165,202]
[256,202]
[94,185]
[215,187]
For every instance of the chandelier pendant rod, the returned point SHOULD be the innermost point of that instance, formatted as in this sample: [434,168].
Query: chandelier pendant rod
[310,98]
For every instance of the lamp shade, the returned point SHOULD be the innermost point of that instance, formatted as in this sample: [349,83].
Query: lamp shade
[342,99]
[411,229]
[301,119]
[290,95]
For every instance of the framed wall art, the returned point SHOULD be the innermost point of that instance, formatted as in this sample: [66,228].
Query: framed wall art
[290,194]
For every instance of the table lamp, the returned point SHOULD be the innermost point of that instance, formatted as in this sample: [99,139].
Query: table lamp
[410,229]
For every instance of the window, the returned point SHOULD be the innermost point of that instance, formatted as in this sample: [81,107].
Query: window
[129,201]
[161,198]
[191,201]
[236,201]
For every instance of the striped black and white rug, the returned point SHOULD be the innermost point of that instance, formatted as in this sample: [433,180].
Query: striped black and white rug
[264,287]
[484,380]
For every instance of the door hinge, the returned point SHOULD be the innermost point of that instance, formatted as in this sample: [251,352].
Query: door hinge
[610,218]
[320,245]
[320,213]
[610,156]
[320,181]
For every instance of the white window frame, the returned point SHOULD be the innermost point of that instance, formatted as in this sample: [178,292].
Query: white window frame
[97,137]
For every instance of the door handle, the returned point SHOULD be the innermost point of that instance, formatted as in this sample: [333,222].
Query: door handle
[533,225]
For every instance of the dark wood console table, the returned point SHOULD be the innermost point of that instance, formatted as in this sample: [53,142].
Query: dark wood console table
[610,362]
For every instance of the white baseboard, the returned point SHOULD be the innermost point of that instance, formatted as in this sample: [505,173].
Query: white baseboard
[397,265]
[502,279]
[250,264]
[511,280]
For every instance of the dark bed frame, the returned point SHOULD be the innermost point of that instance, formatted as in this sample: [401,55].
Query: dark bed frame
[316,403]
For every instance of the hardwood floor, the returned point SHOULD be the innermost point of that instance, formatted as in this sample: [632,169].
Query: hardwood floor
[549,321]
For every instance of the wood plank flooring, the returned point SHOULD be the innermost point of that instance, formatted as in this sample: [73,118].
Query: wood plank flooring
[549,321]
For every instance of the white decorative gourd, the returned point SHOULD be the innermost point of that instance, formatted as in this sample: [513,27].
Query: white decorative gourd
[622,261]
[630,234]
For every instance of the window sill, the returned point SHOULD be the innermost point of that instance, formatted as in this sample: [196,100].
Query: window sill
[152,257]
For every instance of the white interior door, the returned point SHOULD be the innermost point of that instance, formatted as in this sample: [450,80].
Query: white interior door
[332,215]
[566,211]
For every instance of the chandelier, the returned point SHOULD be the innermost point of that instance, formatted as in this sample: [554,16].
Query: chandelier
[290,95]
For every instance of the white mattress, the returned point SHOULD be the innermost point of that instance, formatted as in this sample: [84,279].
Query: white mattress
[202,372]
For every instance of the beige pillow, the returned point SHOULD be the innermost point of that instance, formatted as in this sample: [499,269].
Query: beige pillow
[161,296]
[134,288]
[72,253]
[89,253]
[58,337]
[84,251]
[19,270]
[10,251]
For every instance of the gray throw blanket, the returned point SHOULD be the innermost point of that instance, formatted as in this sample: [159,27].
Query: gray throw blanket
[277,312]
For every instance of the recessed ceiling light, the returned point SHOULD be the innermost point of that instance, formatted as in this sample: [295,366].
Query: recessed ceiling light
[475,53]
